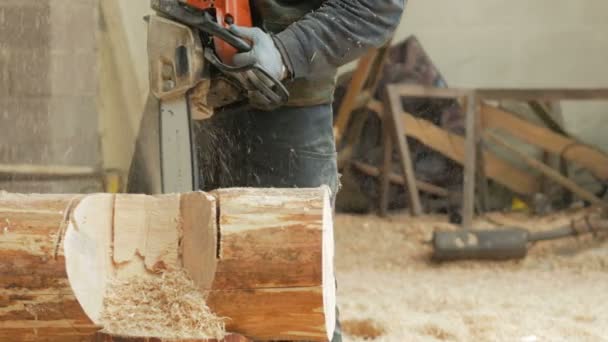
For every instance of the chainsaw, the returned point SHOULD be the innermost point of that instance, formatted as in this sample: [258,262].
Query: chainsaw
[190,55]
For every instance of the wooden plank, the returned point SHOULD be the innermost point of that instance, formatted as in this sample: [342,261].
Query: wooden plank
[452,146]
[399,179]
[413,90]
[47,171]
[470,162]
[376,106]
[547,171]
[548,94]
[481,179]
[387,166]
[539,94]
[570,149]
[393,104]
[543,114]
[351,98]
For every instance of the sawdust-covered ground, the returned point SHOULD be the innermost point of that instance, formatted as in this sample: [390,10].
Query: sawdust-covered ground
[390,290]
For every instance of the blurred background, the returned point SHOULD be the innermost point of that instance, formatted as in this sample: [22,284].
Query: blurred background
[73,74]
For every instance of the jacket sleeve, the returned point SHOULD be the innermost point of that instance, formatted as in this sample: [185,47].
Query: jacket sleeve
[338,32]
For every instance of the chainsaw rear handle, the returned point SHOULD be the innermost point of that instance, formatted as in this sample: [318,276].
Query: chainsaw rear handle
[201,20]
[211,27]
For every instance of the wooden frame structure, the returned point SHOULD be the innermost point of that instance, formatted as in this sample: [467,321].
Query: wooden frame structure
[477,163]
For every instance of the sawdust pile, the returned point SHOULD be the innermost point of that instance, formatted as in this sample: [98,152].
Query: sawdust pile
[169,306]
[390,290]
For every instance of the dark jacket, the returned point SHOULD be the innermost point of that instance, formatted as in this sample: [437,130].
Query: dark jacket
[316,37]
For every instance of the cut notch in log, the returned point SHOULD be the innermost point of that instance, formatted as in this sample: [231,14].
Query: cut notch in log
[275,260]
[123,236]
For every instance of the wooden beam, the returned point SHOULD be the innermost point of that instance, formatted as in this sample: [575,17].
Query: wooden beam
[399,179]
[412,90]
[47,171]
[470,161]
[548,94]
[547,171]
[393,104]
[352,97]
[452,146]
[387,165]
[572,150]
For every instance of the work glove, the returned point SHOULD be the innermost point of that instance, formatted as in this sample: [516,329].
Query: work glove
[264,53]
[264,56]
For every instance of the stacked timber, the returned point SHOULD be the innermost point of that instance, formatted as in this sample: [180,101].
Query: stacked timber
[261,259]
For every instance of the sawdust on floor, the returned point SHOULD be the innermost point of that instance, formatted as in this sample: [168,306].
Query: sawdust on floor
[168,305]
[389,290]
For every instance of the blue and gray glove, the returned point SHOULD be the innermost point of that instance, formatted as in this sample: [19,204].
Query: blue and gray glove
[264,52]
[263,80]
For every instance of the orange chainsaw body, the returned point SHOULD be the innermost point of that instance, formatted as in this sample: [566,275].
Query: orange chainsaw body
[227,12]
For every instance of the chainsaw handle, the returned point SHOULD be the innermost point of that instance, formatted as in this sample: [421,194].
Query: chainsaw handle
[254,79]
[204,22]
[213,28]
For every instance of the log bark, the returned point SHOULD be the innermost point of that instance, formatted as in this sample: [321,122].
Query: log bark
[264,257]
[36,301]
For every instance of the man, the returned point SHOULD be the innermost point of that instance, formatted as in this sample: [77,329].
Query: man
[301,42]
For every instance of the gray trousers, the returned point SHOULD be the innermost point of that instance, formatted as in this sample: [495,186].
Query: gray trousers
[288,147]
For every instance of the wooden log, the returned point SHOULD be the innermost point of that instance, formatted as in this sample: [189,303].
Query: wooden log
[275,264]
[270,273]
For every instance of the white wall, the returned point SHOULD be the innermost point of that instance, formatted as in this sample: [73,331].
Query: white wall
[520,43]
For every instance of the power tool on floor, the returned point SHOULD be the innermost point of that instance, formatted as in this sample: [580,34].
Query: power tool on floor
[190,52]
